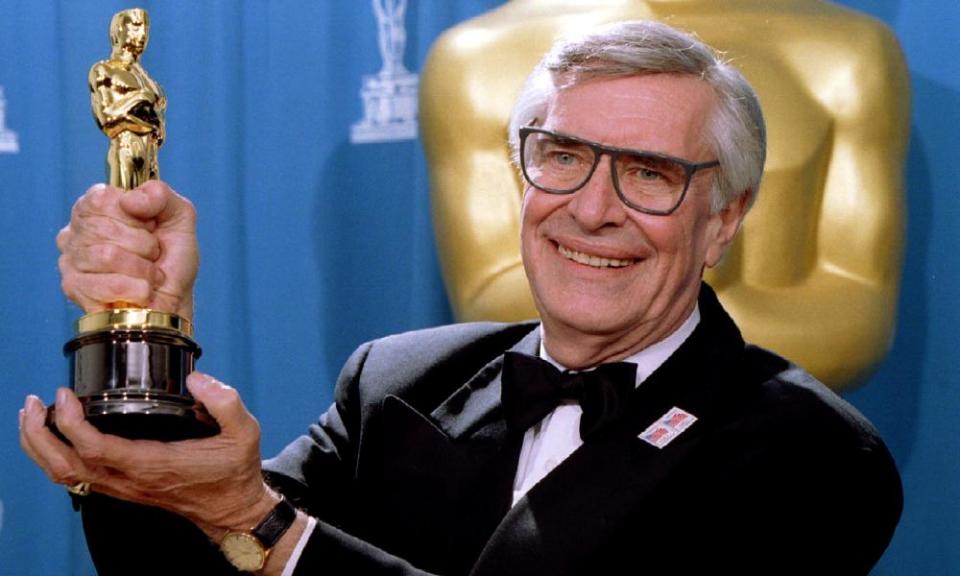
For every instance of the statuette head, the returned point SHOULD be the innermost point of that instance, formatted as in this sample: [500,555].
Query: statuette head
[129,31]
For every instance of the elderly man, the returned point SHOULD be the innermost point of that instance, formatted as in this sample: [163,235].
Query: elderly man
[631,431]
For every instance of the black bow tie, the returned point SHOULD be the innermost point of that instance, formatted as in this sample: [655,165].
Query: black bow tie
[532,388]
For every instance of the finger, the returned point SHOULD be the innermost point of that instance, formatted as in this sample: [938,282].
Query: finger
[175,220]
[91,446]
[155,200]
[103,200]
[121,456]
[71,422]
[223,402]
[59,461]
[64,236]
[93,229]
[71,470]
[95,292]
[111,259]
[25,443]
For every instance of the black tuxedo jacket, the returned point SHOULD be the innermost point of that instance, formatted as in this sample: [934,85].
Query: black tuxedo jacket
[411,472]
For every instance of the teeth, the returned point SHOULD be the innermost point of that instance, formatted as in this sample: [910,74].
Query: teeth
[595,261]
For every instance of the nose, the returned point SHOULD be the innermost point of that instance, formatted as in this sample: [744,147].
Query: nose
[597,205]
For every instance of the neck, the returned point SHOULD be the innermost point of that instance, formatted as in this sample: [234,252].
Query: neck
[123,55]
[576,349]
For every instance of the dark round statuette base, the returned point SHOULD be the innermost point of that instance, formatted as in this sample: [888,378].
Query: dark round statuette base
[137,414]
[132,383]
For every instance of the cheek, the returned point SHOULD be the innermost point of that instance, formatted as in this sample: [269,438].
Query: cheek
[534,199]
[525,201]
[527,220]
[678,241]
[538,207]
[666,234]
[531,215]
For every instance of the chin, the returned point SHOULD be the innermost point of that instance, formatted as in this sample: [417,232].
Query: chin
[590,320]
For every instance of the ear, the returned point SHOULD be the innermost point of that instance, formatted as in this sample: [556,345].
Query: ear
[724,227]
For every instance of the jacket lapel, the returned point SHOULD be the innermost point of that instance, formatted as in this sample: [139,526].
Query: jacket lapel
[454,468]
[473,412]
[469,420]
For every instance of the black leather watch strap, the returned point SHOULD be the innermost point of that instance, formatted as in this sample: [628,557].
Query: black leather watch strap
[271,528]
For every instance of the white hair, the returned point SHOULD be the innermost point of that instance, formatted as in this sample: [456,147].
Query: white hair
[736,130]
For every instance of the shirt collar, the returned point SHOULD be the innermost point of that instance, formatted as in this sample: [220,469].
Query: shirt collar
[651,357]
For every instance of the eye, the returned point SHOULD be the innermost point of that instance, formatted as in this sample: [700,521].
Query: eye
[651,169]
[564,158]
[641,173]
[647,174]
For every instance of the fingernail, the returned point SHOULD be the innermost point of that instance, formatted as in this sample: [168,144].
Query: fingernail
[61,397]
[32,405]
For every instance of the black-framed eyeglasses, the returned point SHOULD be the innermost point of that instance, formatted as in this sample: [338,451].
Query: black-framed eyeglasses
[649,182]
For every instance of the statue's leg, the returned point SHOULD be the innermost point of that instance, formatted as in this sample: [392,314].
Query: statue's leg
[125,157]
[114,163]
[153,167]
[133,160]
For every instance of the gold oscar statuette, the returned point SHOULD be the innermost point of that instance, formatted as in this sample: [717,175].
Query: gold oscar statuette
[128,365]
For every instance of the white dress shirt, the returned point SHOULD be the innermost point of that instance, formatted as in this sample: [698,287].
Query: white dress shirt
[557,436]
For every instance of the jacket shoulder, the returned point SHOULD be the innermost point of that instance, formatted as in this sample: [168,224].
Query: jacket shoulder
[795,402]
[426,365]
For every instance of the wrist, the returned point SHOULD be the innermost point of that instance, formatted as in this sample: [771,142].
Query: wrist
[245,518]
[282,552]
[251,539]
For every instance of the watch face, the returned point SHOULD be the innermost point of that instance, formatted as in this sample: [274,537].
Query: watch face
[243,551]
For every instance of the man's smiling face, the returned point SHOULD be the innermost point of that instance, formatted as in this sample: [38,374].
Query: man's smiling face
[609,280]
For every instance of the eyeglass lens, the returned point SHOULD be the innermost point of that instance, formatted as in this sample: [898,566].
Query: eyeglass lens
[561,165]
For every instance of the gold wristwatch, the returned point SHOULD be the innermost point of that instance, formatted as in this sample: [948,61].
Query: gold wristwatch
[248,550]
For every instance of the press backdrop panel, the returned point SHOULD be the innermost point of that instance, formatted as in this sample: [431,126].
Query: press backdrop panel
[315,228]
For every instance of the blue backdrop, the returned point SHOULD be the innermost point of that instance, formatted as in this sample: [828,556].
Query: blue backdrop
[312,243]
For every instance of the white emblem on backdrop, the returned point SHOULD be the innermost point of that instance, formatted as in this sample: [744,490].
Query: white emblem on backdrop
[389,96]
[8,138]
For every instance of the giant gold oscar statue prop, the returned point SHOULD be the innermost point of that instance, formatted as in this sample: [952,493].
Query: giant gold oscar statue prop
[813,275]
[129,365]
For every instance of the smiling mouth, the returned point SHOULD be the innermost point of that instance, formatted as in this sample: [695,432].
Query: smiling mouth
[591,260]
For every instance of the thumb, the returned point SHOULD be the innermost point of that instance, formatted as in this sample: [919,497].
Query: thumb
[155,200]
[221,401]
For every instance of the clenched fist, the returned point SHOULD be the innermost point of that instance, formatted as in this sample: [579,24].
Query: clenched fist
[138,247]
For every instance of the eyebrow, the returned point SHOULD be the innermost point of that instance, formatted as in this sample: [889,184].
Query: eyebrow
[619,149]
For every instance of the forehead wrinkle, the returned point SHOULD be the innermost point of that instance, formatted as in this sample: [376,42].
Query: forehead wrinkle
[635,120]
